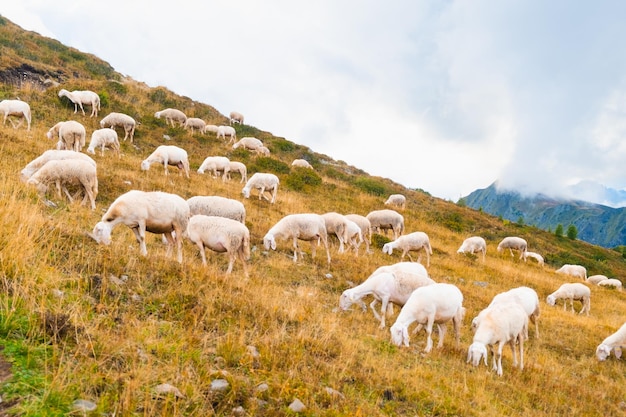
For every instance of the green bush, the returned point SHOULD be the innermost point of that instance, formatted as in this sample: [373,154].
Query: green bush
[265,164]
[302,179]
[283,145]
[371,186]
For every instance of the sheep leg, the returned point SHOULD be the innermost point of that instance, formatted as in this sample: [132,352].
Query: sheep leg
[513,351]
[383,311]
[373,307]
[295,249]
[499,367]
[231,262]
[429,332]
[521,352]
[140,235]
[202,252]
[442,333]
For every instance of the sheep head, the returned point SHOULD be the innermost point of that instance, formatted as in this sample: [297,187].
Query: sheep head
[269,242]
[476,352]
[346,300]
[387,248]
[399,335]
[551,300]
[102,233]
[145,165]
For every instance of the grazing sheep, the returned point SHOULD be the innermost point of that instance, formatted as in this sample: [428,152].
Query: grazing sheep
[194,123]
[104,138]
[68,171]
[595,279]
[612,283]
[155,212]
[307,226]
[513,243]
[262,150]
[49,155]
[15,108]
[210,128]
[396,200]
[172,116]
[526,297]
[122,120]
[416,241]
[571,292]
[215,164]
[573,270]
[301,163]
[217,206]
[220,235]
[337,225]
[70,133]
[366,229]
[436,303]
[249,143]
[263,182]
[534,256]
[168,155]
[235,117]
[386,219]
[240,167]
[474,244]
[80,98]
[612,343]
[223,131]
[388,284]
[355,236]
[501,324]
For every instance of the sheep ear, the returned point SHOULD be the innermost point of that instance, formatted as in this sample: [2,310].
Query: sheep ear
[618,352]
[273,244]
[405,336]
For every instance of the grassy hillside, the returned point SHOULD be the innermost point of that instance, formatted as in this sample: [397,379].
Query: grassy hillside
[83,321]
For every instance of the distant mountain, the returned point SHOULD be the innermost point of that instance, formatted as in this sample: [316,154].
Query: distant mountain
[596,223]
[598,193]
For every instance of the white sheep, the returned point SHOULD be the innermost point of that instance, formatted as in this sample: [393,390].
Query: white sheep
[534,256]
[220,235]
[474,244]
[612,283]
[62,172]
[436,303]
[513,243]
[388,284]
[595,279]
[396,200]
[416,241]
[104,138]
[235,117]
[71,134]
[195,123]
[122,120]
[366,229]
[573,270]
[249,143]
[301,163]
[526,297]
[385,220]
[240,167]
[223,131]
[572,291]
[210,128]
[80,98]
[15,108]
[263,182]
[304,226]
[49,155]
[337,224]
[172,116]
[215,164]
[215,205]
[612,343]
[500,324]
[155,212]
[262,150]
[355,235]
[168,155]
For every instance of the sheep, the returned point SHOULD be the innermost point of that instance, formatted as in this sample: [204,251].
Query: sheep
[215,164]
[154,211]
[172,116]
[217,206]
[573,270]
[305,226]
[262,150]
[70,133]
[388,284]
[513,243]
[249,143]
[67,171]
[612,283]
[220,235]
[416,241]
[301,163]
[122,120]
[235,117]
[366,229]
[386,219]
[240,167]
[396,200]
[337,225]
[16,108]
[223,131]
[595,279]
[79,98]
[534,256]
[474,244]
[501,324]
[193,123]
[571,292]
[355,235]
[168,155]
[49,155]
[612,343]
[104,138]
[263,182]
[210,128]
[437,303]
[526,297]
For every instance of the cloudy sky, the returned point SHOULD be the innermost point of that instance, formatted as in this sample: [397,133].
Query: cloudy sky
[445,96]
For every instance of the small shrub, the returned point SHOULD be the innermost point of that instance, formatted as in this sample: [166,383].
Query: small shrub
[283,145]
[265,164]
[371,186]
[303,179]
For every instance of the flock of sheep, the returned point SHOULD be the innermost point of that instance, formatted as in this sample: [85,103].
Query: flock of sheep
[218,223]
